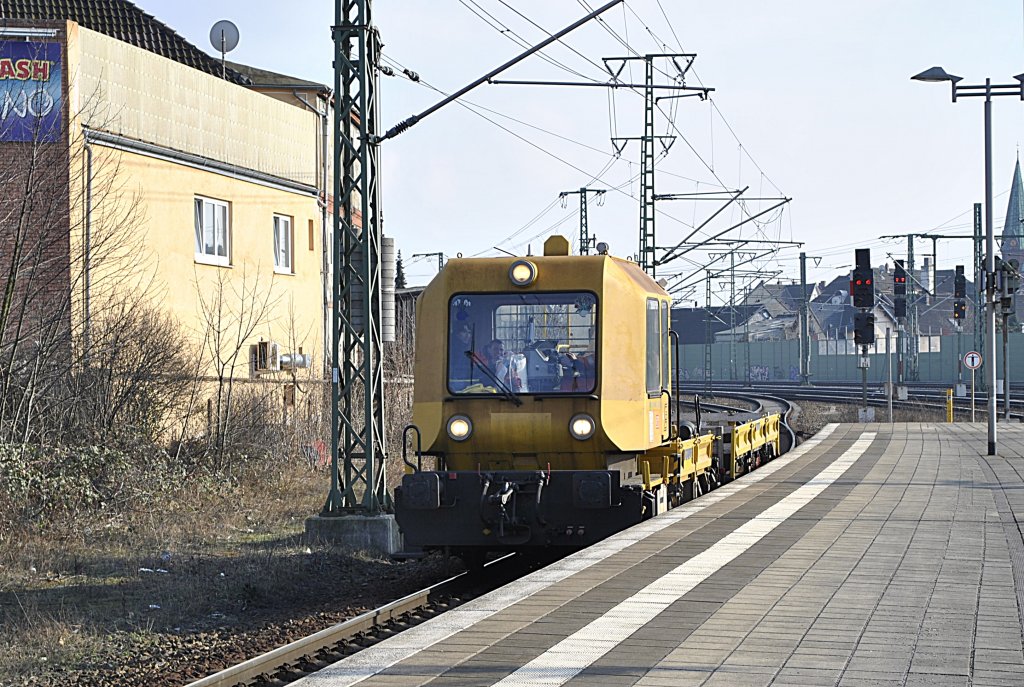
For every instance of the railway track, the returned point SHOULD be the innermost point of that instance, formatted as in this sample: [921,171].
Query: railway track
[309,654]
[931,397]
[765,403]
[314,652]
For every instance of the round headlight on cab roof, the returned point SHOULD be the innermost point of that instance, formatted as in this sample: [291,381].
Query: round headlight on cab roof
[582,426]
[522,272]
[460,427]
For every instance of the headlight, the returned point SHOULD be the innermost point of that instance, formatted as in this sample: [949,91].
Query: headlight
[582,426]
[522,272]
[460,427]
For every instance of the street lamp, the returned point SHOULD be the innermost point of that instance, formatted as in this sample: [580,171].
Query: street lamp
[988,90]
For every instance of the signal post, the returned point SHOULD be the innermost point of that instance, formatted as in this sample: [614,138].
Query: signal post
[862,289]
[959,313]
[899,288]
[1008,281]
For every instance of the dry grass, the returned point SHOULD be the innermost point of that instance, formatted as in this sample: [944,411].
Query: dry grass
[85,602]
[814,415]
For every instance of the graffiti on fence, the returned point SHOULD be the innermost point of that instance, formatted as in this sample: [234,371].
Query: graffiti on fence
[760,373]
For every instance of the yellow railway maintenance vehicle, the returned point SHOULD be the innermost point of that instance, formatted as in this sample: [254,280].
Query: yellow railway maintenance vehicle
[542,390]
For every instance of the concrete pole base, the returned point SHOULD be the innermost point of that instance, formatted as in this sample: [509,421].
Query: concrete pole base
[376,534]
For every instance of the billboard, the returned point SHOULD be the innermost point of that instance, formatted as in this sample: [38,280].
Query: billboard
[30,91]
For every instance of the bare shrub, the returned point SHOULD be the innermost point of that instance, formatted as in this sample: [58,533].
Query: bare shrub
[140,369]
[70,258]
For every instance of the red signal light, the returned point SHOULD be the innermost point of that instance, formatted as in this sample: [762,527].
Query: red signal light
[867,282]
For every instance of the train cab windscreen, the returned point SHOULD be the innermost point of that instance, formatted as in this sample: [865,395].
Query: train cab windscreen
[522,343]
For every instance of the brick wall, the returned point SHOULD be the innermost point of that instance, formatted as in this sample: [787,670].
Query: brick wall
[35,224]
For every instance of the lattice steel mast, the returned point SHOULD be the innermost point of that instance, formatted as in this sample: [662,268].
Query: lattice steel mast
[357,438]
[586,240]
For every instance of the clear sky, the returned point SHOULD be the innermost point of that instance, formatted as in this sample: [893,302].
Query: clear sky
[813,101]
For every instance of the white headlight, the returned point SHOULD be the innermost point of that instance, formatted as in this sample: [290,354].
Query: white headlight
[522,272]
[582,426]
[459,427]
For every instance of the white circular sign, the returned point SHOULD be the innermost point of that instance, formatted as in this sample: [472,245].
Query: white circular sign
[972,360]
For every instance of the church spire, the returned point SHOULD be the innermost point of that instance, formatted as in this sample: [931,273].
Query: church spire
[1012,240]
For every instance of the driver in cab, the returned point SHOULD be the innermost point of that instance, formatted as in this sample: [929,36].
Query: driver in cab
[498,360]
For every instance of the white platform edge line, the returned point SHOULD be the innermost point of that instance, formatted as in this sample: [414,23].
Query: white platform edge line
[575,653]
[381,656]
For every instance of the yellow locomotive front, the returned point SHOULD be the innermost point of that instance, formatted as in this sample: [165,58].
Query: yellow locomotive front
[539,382]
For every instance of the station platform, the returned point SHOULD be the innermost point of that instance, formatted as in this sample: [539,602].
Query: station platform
[870,555]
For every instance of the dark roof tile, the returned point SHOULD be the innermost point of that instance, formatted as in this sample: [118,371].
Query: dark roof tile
[124,21]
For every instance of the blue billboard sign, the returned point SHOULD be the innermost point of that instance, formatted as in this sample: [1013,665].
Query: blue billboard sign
[30,91]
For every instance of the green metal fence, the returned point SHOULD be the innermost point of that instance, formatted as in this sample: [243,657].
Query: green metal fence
[768,361]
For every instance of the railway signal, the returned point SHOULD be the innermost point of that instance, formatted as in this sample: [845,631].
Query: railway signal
[1009,282]
[899,279]
[864,328]
[899,290]
[959,294]
[862,285]
[862,288]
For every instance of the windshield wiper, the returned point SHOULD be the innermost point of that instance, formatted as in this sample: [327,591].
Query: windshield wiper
[506,393]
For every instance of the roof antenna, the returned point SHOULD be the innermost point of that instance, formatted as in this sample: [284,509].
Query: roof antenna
[224,37]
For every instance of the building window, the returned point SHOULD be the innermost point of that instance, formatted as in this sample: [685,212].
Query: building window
[283,245]
[213,232]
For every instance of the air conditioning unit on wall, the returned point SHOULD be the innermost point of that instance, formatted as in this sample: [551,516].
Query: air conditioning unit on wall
[268,357]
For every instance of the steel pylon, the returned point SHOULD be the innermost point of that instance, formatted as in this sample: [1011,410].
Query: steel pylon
[357,385]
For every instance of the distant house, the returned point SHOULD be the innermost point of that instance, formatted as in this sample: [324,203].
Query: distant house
[780,299]
[700,325]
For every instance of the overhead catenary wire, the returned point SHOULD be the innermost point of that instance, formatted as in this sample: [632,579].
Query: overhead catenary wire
[504,30]
[711,100]
[421,82]
[471,105]
[410,121]
[599,67]
[669,113]
[714,105]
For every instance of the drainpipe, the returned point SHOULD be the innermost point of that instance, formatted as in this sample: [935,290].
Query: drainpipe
[87,253]
[324,231]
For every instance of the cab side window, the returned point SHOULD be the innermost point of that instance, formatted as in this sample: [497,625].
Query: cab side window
[665,350]
[653,347]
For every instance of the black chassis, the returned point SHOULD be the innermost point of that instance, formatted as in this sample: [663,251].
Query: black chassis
[514,510]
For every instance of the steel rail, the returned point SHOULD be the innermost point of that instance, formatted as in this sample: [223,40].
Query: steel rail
[921,399]
[307,647]
[726,408]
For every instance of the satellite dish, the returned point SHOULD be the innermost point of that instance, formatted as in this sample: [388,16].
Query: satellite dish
[224,38]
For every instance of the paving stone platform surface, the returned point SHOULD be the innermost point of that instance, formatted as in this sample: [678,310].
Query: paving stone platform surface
[878,555]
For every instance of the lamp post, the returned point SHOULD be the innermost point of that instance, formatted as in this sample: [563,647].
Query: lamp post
[987,91]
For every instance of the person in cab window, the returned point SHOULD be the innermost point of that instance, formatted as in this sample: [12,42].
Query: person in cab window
[504,365]
[493,356]
[460,348]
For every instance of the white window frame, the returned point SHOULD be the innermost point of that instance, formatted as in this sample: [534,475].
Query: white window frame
[284,244]
[218,209]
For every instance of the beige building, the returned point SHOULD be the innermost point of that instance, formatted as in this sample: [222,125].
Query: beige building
[198,192]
